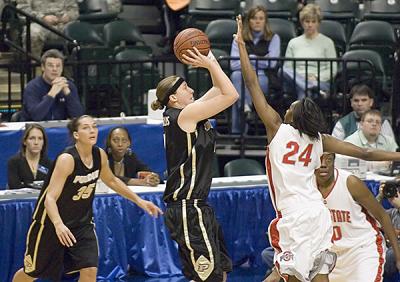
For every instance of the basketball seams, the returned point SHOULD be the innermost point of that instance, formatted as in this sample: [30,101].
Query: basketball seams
[185,38]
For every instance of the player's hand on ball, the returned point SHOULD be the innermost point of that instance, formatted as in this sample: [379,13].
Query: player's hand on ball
[196,59]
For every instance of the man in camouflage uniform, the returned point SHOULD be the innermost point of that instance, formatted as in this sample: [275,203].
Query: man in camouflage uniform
[56,13]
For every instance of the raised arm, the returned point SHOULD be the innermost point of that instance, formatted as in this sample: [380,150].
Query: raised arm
[362,195]
[332,144]
[268,115]
[221,96]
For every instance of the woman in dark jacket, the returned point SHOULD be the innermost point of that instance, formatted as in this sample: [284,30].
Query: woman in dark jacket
[29,167]
[124,163]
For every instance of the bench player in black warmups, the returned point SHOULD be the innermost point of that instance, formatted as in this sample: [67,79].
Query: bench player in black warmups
[61,237]
[190,142]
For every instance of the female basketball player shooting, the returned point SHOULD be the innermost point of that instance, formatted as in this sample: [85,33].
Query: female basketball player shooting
[301,234]
[190,143]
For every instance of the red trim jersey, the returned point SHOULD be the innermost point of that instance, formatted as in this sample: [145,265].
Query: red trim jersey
[291,161]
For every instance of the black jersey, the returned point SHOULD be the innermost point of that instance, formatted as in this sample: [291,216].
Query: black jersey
[76,198]
[189,158]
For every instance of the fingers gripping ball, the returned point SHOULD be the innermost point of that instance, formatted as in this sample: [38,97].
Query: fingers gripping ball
[189,38]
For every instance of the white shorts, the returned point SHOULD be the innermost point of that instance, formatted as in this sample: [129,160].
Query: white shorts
[298,238]
[362,263]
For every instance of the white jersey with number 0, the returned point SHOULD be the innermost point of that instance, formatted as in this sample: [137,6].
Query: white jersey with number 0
[291,161]
[357,241]
[352,224]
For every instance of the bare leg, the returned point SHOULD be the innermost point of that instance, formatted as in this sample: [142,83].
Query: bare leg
[88,274]
[321,278]
[293,279]
[21,276]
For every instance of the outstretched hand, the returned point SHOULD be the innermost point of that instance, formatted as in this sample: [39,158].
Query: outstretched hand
[150,208]
[238,36]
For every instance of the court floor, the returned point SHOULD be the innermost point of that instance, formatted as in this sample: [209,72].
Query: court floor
[239,274]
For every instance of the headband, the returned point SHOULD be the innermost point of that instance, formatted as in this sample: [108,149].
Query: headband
[171,91]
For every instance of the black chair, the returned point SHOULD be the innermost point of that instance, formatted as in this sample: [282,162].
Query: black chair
[201,12]
[383,10]
[285,29]
[243,167]
[96,11]
[343,11]
[134,79]
[335,31]
[220,33]
[199,78]
[362,66]
[286,9]
[378,36]
[84,33]
[122,34]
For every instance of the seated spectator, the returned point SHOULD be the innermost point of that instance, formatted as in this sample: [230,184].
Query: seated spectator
[261,42]
[394,214]
[362,100]
[124,163]
[30,166]
[314,45]
[51,96]
[369,136]
[55,13]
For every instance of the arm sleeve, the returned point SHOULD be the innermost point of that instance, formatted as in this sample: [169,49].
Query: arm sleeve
[289,54]
[338,131]
[330,52]
[74,106]
[235,64]
[140,166]
[37,106]
[14,180]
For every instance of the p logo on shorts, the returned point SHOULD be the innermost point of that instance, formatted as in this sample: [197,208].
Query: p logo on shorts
[203,267]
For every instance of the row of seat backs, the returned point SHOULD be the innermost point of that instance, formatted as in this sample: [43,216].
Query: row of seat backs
[96,11]
[378,36]
[114,34]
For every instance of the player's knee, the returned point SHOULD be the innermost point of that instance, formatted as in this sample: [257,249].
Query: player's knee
[88,274]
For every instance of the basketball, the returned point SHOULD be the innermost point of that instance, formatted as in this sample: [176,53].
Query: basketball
[189,38]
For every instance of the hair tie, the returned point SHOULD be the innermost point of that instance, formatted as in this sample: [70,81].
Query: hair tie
[171,91]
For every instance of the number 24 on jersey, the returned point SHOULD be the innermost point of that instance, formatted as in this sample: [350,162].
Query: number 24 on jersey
[294,156]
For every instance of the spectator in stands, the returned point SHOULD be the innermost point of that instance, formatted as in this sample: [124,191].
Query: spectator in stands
[261,42]
[124,163]
[369,136]
[51,96]
[362,100]
[55,13]
[29,167]
[394,213]
[301,76]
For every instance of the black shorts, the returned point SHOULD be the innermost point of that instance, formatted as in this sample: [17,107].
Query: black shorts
[46,258]
[202,250]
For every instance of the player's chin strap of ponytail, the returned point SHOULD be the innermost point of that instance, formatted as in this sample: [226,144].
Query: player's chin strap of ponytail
[171,91]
